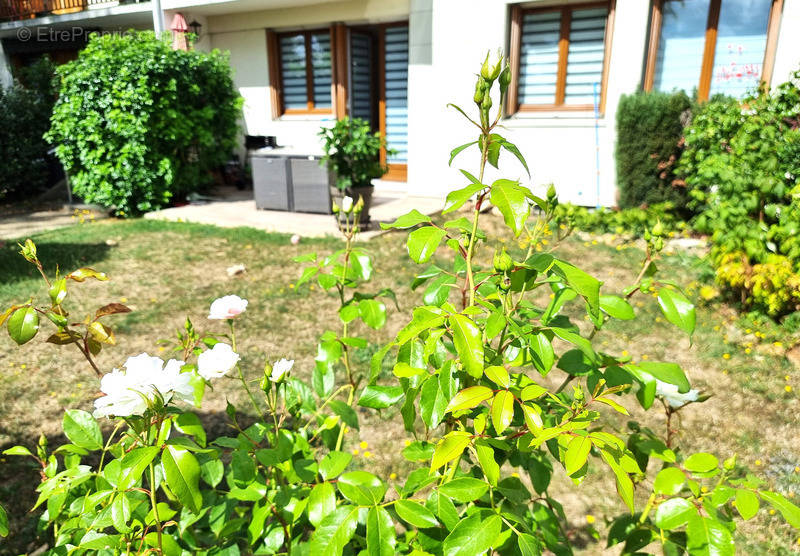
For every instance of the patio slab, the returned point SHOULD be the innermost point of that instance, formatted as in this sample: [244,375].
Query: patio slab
[231,208]
[30,223]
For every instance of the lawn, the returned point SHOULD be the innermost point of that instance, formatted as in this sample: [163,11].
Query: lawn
[165,272]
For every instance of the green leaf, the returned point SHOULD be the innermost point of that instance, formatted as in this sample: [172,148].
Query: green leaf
[23,324]
[415,513]
[677,309]
[701,462]
[789,511]
[451,446]
[17,451]
[464,489]
[182,474]
[423,242]
[577,453]
[502,410]
[468,343]
[133,465]
[58,291]
[708,537]
[189,423]
[321,502]
[469,398]
[362,488]
[669,481]
[617,307]
[3,522]
[419,450]
[408,220]
[83,273]
[432,403]
[542,353]
[472,536]
[587,286]
[512,203]
[666,372]
[380,397]
[528,545]
[624,482]
[333,464]
[746,503]
[381,538]
[498,375]
[457,150]
[82,429]
[490,467]
[673,513]
[335,531]
[373,313]
[456,199]
[121,512]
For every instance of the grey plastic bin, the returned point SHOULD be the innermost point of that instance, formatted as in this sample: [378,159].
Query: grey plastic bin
[311,185]
[272,185]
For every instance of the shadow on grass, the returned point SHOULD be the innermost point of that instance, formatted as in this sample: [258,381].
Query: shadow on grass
[67,256]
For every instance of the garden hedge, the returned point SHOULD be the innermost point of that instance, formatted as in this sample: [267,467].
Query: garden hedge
[649,131]
[138,123]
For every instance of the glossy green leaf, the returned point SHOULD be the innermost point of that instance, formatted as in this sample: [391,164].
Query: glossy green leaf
[677,309]
[321,502]
[512,203]
[746,503]
[542,353]
[133,465]
[498,375]
[701,462]
[432,403]
[423,242]
[472,536]
[3,522]
[666,372]
[416,514]
[577,453]
[372,312]
[669,481]
[380,397]
[512,148]
[333,464]
[708,537]
[82,429]
[617,307]
[362,488]
[23,324]
[528,545]
[335,531]
[464,489]
[121,512]
[491,469]
[469,398]
[456,199]
[458,149]
[189,423]
[449,448]
[502,410]
[408,220]
[587,286]
[468,343]
[673,513]
[381,540]
[182,473]
[789,511]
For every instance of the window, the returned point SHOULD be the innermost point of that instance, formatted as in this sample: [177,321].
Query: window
[305,70]
[712,46]
[560,57]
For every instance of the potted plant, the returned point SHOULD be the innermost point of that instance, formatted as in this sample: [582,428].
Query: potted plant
[352,153]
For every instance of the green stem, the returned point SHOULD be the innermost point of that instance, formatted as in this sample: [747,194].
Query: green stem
[339,440]
[154,503]
[475,216]
[241,374]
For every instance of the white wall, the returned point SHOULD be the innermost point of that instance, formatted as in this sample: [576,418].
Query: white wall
[787,56]
[559,147]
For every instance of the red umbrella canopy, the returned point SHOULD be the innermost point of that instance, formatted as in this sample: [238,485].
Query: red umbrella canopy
[179,29]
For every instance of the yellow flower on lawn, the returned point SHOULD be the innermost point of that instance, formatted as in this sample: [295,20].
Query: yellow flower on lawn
[726,355]
[363,445]
[367,454]
[747,350]
[788,388]
[590,519]
[355,451]
[408,442]
[625,353]
[777,344]
[392,476]
[758,462]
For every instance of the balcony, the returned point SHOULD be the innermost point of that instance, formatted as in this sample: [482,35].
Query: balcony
[19,10]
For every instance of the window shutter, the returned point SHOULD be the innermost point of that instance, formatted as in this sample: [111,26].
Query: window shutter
[396,68]
[539,57]
[321,69]
[293,72]
[585,56]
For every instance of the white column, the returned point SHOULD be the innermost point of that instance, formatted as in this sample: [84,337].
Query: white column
[787,54]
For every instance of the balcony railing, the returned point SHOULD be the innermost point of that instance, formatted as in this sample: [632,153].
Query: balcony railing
[28,9]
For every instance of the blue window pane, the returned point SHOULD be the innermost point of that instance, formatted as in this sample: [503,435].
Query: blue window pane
[321,69]
[396,67]
[680,46]
[539,57]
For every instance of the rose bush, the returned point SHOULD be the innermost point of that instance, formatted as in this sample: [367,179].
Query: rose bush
[469,380]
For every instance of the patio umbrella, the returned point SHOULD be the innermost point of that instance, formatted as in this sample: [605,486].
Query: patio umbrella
[179,30]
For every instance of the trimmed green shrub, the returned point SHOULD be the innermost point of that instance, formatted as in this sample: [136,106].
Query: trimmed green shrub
[741,164]
[138,123]
[649,131]
[25,110]
[625,222]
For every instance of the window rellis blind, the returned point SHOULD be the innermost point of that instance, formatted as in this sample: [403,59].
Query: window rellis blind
[585,55]
[321,69]
[361,76]
[293,72]
[562,56]
[396,93]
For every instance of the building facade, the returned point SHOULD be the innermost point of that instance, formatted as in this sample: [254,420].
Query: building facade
[300,64]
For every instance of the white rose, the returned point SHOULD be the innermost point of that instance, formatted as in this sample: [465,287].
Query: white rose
[217,361]
[280,368]
[669,392]
[127,392]
[347,204]
[227,307]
